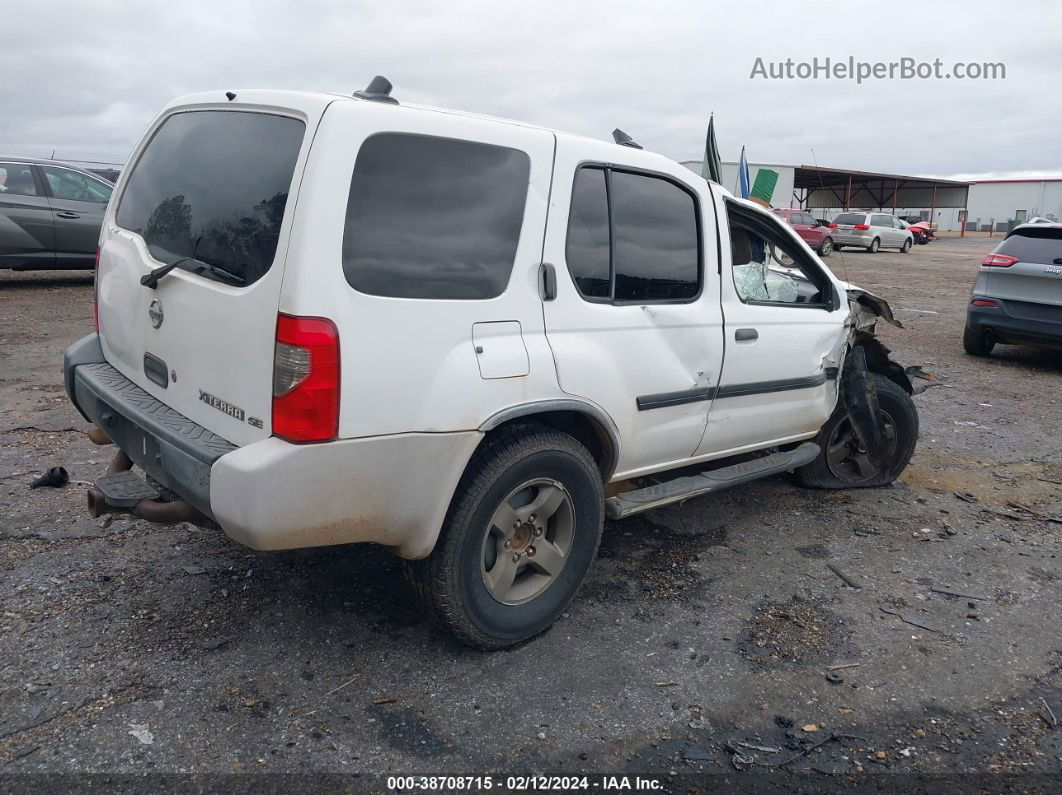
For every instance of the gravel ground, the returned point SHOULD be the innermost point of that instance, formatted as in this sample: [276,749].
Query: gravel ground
[700,646]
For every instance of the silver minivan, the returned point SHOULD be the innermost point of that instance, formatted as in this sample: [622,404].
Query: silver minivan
[1017,297]
[872,231]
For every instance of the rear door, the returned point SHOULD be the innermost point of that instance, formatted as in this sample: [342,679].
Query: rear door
[1036,276]
[635,326]
[78,202]
[27,235]
[211,189]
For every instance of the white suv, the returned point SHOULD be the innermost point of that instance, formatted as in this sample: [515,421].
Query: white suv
[327,319]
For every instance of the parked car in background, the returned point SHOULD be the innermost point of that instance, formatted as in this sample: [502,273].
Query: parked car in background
[1017,296]
[872,231]
[50,214]
[809,229]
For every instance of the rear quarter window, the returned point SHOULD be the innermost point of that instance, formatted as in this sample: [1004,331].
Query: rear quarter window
[435,218]
[1041,246]
[210,188]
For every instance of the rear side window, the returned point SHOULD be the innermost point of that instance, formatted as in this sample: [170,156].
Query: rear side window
[633,237]
[210,190]
[433,217]
[587,247]
[1040,246]
[16,179]
[850,218]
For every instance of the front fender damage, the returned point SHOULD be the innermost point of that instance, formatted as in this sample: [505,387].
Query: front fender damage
[866,354]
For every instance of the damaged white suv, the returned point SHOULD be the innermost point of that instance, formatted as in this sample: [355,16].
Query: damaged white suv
[327,319]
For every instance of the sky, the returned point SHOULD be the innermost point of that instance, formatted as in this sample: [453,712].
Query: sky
[85,78]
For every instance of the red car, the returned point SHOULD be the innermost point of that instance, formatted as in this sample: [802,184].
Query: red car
[811,231]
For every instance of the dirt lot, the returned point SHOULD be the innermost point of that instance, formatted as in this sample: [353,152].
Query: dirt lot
[700,644]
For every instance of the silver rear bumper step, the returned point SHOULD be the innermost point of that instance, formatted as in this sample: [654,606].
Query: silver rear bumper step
[687,486]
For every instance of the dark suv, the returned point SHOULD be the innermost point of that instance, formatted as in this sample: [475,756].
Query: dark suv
[50,214]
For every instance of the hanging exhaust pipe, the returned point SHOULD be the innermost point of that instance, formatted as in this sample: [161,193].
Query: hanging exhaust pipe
[151,510]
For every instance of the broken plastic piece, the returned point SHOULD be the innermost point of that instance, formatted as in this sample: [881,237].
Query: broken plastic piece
[53,478]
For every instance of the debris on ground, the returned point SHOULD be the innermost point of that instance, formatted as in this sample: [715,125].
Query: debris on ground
[844,577]
[54,478]
[909,618]
[952,592]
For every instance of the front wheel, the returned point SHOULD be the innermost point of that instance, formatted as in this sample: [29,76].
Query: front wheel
[825,247]
[843,462]
[518,540]
[906,246]
[875,244]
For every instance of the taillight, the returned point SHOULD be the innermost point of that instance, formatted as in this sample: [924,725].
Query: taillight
[833,226]
[306,379]
[861,227]
[999,261]
[983,303]
[96,293]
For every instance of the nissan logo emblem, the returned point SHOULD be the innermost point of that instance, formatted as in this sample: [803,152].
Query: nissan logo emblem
[155,312]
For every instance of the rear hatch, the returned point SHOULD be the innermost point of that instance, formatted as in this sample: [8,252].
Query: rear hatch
[846,223]
[1027,272]
[211,191]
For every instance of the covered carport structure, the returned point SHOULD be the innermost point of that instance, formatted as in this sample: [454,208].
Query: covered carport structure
[819,188]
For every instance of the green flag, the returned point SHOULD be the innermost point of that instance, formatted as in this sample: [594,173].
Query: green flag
[711,168]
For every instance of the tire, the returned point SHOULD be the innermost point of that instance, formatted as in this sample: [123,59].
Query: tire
[452,582]
[906,246]
[839,472]
[977,343]
[875,244]
[825,247]
[837,247]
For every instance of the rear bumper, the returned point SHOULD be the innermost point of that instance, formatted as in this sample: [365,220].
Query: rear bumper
[851,238]
[1017,321]
[391,490]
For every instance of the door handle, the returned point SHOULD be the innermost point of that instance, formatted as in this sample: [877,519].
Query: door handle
[745,334]
[67,214]
[549,282]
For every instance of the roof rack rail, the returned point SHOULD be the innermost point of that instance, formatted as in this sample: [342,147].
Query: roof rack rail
[378,90]
[623,139]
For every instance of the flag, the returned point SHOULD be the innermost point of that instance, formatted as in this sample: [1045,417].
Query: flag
[711,168]
[743,175]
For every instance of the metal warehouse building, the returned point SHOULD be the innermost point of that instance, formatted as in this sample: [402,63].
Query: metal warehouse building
[998,202]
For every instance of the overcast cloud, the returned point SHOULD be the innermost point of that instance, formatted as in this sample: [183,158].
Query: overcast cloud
[84,78]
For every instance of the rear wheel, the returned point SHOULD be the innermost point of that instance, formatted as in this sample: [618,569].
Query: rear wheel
[977,343]
[825,247]
[875,244]
[843,462]
[518,540]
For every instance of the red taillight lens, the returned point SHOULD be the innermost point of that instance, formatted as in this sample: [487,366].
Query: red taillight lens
[96,294]
[998,261]
[833,226]
[862,227]
[983,303]
[306,379]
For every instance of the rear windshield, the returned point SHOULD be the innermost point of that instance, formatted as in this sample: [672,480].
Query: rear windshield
[851,218]
[210,190]
[1042,246]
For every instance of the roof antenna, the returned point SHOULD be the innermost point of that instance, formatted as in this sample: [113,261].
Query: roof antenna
[623,139]
[378,90]
[230,95]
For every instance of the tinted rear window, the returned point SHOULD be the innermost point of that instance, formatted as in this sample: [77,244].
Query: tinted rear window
[851,218]
[211,186]
[1042,246]
[433,217]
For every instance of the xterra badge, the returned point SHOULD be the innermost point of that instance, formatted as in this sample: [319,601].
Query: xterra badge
[221,405]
